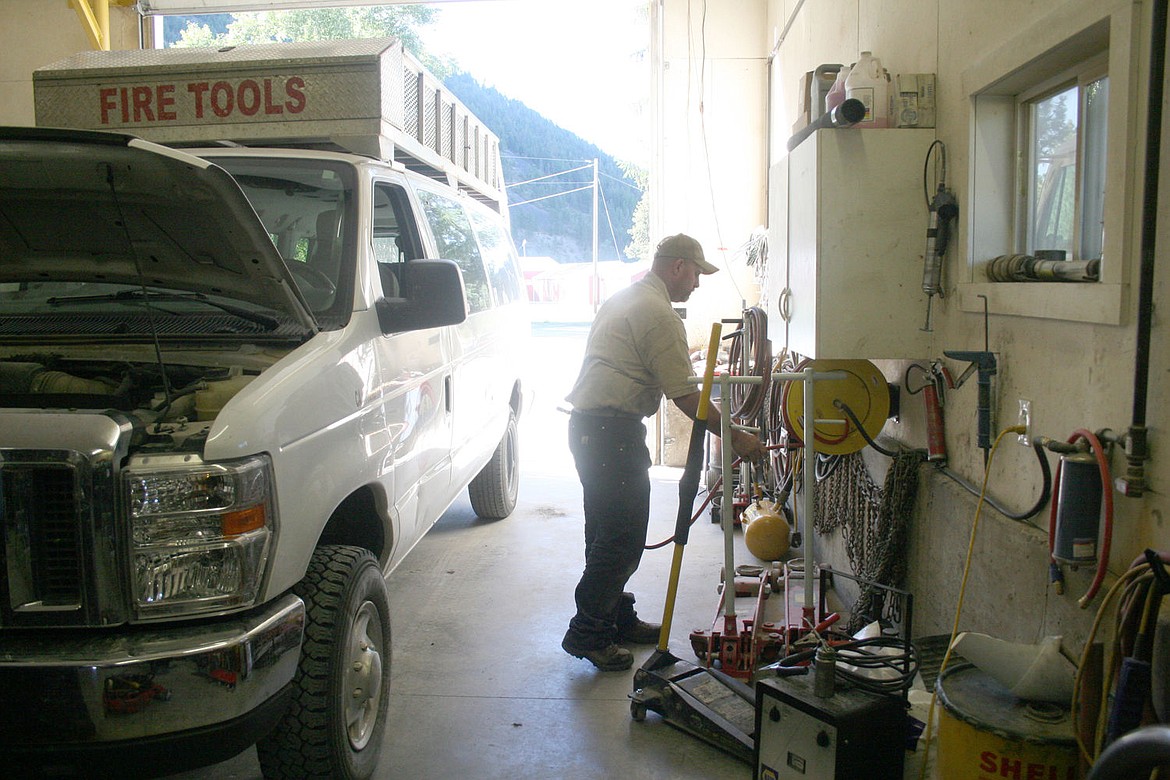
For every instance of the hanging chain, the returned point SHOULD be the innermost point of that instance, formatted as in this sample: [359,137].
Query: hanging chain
[874,523]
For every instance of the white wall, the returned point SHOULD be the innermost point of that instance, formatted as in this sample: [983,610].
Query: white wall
[708,178]
[1077,374]
[36,34]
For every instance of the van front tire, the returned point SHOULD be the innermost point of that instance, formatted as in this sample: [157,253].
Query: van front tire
[493,491]
[335,723]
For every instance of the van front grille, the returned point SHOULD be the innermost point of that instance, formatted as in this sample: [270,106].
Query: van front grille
[62,558]
[43,548]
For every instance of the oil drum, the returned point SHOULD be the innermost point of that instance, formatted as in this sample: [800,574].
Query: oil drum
[986,733]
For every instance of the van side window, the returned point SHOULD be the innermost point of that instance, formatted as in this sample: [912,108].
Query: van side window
[395,239]
[499,256]
[456,241]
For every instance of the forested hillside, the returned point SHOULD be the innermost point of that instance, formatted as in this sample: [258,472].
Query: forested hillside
[532,148]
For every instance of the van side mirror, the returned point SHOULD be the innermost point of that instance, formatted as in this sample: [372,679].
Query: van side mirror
[431,296]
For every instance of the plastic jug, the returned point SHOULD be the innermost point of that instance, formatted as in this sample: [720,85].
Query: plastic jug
[869,82]
[836,94]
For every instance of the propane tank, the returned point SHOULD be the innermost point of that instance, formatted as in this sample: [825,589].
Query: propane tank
[1078,510]
[765,531]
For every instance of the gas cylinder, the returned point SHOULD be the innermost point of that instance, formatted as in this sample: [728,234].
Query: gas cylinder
[765,531]
[1078,510]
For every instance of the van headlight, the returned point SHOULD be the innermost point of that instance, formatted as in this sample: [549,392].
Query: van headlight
[199,534]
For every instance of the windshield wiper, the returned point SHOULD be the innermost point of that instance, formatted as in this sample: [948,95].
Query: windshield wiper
[149,297]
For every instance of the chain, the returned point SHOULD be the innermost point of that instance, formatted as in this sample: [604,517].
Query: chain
[874,523]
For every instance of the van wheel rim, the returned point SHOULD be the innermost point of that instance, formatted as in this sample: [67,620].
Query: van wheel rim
[511,472]
[363,676]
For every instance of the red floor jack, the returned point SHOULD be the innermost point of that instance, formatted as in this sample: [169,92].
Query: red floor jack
[739,645]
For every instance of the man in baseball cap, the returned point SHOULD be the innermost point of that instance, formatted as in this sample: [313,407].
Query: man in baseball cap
[683,247]
[637,353]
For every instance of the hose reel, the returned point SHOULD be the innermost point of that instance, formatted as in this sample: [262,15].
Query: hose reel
[864,392]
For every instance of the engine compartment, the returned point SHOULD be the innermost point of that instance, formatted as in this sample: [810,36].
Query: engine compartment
[173,405]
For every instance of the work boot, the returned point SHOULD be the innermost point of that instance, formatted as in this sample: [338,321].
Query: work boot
[610,658]
[639,632]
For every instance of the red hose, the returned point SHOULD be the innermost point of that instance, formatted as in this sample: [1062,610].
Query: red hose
[1107,491]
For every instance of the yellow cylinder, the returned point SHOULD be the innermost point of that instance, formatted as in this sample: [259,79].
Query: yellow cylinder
[986,733]
[765,531]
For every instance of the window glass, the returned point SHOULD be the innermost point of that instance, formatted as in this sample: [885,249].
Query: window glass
[499,256]
[1066,134]
[307,209]
[455,241]
[1053,171]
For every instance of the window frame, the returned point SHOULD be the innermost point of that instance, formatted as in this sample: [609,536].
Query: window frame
[1078,77]
[1067,39]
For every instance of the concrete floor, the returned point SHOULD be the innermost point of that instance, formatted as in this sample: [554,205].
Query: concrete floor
[481,687]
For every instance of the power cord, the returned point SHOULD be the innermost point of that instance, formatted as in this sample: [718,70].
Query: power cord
[1017,429]
[889,671]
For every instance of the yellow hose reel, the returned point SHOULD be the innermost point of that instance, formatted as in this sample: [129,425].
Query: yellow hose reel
[864,391]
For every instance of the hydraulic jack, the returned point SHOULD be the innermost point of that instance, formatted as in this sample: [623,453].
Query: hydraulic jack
[710,703]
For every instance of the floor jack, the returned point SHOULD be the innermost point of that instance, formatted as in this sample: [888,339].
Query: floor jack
[706,702]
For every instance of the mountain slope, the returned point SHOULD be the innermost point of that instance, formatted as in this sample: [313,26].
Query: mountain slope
[532,147]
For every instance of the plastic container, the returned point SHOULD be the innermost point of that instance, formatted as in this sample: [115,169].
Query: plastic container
[836,94]
[869,82]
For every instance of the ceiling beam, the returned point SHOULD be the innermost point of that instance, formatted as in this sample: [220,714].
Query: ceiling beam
[95,18]
[156,7]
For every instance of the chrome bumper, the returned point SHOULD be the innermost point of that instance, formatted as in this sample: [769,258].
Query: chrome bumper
[103,686]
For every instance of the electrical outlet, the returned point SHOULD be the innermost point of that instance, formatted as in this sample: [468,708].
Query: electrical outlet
[1025,438]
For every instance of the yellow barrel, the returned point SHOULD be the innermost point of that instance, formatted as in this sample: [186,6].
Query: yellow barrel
[986,733]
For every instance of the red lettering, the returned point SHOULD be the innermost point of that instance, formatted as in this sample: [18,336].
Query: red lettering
[248,97]
[107,105]
[294,88]
[222,98]
[269,106]
[198,89]
[1009,768]
[1036,771]
[125,105]
[142,109]
[166,102]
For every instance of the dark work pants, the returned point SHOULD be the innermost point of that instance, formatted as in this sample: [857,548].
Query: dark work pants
[614,467]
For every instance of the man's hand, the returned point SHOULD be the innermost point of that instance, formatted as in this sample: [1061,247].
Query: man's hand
[747,446]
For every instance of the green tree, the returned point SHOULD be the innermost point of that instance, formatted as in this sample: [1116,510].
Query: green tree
[639,247]
[324,24]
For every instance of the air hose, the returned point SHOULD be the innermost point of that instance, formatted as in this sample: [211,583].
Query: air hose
[749,355]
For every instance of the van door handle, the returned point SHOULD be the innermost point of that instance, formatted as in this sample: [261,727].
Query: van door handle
[447,393]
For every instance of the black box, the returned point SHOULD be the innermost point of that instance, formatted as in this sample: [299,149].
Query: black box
[852,734]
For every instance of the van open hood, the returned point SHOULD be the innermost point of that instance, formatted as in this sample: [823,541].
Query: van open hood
[89,206]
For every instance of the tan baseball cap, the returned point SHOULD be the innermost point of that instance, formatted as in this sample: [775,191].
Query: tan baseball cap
[686,248]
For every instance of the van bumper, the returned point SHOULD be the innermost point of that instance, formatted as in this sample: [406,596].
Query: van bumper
[97,692]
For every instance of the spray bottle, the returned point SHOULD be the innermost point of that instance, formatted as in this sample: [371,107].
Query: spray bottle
[836,94]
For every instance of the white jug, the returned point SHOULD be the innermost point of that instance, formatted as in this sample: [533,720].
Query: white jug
[869,82]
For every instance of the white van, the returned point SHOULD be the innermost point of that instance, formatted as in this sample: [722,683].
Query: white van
[237,385]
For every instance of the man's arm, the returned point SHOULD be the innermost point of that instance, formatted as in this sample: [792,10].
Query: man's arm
[745,445]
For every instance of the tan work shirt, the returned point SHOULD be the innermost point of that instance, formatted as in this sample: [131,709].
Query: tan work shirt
[636,353]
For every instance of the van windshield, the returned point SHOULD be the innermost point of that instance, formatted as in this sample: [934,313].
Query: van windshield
[307,207]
